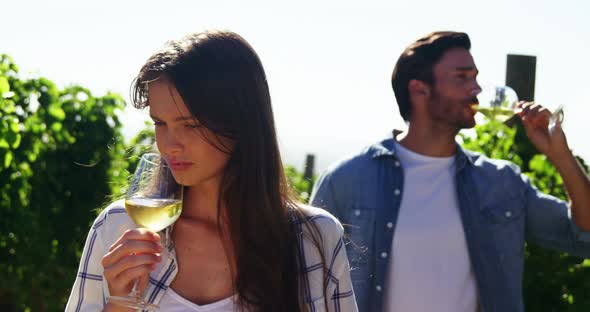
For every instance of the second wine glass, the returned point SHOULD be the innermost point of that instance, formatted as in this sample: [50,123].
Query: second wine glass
[500,103]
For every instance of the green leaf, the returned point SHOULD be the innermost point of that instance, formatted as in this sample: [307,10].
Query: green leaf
[13,139]
[57,112]
[14,126]
[32,156]
[7,106]
[4,86]
[16,142]
[8,159]
[56,126]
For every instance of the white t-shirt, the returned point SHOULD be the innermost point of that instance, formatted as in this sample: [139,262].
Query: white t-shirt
[173,302]
[430,268]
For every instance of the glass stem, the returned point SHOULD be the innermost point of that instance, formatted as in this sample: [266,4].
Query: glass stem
[135,291]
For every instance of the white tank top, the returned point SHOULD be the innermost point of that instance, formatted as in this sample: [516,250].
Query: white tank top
[173,302]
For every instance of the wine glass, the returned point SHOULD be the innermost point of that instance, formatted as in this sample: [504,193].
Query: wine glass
[500,103]
[154,201]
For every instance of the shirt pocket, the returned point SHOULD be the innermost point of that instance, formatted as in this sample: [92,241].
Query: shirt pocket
[505,220]
[505,210]
[359,231]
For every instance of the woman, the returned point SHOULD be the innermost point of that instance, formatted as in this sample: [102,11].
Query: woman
[241,242]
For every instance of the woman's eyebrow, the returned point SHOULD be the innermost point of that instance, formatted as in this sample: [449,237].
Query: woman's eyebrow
[181,118]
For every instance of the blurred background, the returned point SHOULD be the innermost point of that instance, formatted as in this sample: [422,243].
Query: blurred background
[68,140]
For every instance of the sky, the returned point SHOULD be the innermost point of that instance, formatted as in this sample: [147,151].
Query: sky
[328,63]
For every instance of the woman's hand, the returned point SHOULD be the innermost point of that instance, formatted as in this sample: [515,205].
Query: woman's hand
[133,256]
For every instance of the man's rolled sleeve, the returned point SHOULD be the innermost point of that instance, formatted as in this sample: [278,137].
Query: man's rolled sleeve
[580,235]
[550,224]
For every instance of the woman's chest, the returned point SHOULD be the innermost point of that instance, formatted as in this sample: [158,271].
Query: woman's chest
[204,273]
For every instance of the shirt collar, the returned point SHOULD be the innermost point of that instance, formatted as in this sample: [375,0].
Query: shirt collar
[463,157]
[387,148]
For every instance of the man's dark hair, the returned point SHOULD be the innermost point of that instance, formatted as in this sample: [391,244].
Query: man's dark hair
[417,62]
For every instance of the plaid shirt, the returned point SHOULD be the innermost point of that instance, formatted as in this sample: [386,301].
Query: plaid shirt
[90,289]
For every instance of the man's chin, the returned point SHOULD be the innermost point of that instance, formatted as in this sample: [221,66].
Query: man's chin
[468,124]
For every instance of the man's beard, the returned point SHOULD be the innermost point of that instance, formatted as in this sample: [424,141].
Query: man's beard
[446,111]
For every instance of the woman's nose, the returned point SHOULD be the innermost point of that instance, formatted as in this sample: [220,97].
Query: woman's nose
[168,143]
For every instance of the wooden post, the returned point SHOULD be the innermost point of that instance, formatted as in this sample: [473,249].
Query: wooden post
[308,171]
[520,75]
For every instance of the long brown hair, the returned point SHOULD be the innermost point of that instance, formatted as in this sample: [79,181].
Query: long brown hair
[222,82]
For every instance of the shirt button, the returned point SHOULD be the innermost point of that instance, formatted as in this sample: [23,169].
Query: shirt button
[389,225]
[357,212]
[378,287]
[396,192]
[508,213]
[383,255]
[397,163]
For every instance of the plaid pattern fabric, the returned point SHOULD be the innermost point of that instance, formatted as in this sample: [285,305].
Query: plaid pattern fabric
[90,289]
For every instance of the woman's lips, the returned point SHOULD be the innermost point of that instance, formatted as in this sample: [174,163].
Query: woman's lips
[179,165]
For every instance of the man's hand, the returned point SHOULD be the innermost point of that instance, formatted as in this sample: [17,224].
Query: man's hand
[535,119]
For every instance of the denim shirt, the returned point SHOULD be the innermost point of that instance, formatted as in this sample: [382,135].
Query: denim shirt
[499,209]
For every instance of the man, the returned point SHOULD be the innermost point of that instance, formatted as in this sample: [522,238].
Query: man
[438,228]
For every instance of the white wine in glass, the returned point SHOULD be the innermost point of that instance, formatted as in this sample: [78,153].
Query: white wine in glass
[153,213]
[154,201]
[499,103]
